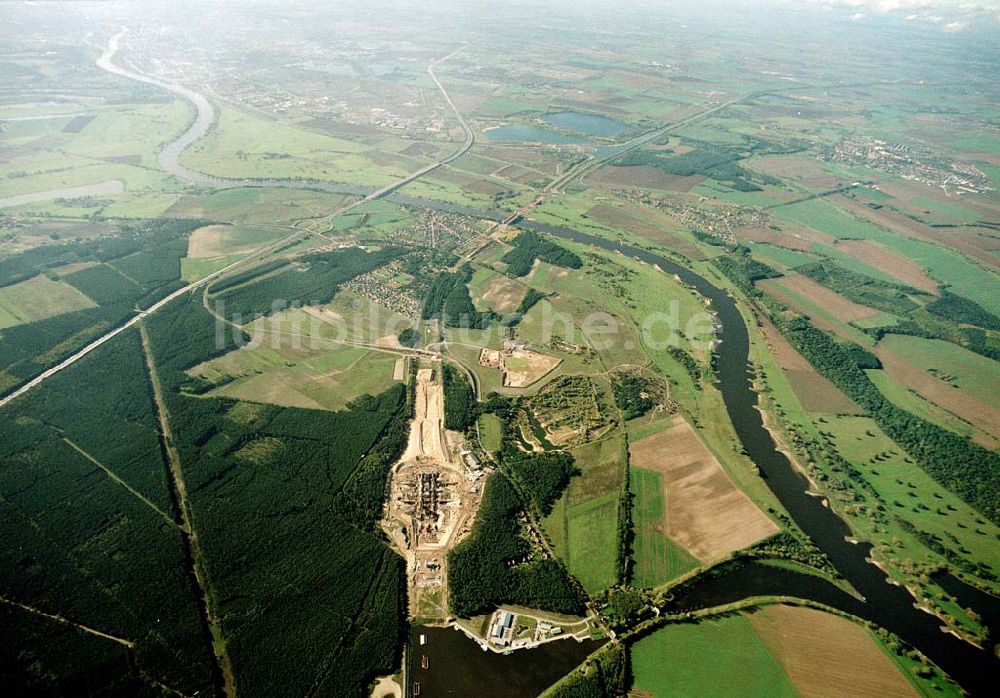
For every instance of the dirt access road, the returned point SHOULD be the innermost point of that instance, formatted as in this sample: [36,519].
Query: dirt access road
[432,501]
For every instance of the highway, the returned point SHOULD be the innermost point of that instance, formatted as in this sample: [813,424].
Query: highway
[169,161]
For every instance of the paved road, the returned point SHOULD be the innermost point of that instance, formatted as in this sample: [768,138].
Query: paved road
[169,161]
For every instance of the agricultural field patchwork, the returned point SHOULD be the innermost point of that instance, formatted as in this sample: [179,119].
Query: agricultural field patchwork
[320,327]
[705,513]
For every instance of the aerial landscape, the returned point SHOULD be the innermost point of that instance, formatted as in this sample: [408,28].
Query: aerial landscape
[513,349]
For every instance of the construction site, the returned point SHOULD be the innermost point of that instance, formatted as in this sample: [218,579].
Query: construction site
[433,497]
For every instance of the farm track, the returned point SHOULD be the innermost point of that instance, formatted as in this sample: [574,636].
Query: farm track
[65,621]
[222,671]
[581,170]
[118,481]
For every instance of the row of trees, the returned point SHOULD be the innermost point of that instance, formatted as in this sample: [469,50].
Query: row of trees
[957,463]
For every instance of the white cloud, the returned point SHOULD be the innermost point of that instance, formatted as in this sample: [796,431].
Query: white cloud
[951,15]
[909,5]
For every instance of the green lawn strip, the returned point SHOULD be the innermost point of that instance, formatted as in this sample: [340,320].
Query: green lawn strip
[592,540]
[972,373]
[711,657]
[657,558]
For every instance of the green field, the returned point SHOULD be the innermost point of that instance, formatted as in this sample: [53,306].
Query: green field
[592,541]
[913,403]
[658,559]
[489,432]
[584,522]
[910,494]
[972,373]
[37,299]
[723,657]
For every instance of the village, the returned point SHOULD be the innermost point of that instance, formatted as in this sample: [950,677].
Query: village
[895,158]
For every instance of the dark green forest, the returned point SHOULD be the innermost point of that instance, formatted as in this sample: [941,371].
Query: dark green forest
[133,267]
[490,567]
[529,246]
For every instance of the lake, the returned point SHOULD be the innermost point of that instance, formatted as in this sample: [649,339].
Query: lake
[590,124]
[528,133]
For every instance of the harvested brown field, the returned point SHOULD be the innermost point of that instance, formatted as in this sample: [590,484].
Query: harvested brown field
[418,148]
[815,392]
[829,656]
[477,185]
[705,512]
[503,294]
[896,265]
[216,241]
[534,158]
[208,241]
[381,159]
[791,236]
[784,353]
[642,176]
[522,367]
[839,307]
[78,123]
[787,297]
[775,237]
[945,396]
[647,223]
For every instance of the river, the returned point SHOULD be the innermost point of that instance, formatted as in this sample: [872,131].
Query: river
[108,188]
[886,604]
[457,666]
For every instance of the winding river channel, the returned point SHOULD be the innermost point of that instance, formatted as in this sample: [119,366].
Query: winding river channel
[887,605]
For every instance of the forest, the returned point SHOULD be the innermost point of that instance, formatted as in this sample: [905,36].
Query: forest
[103,552]
[448,299]
[492,566]
[634,394]
[303,484]
[708,159]
[460,407]
[743,270]
[529,246]
[313,279]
